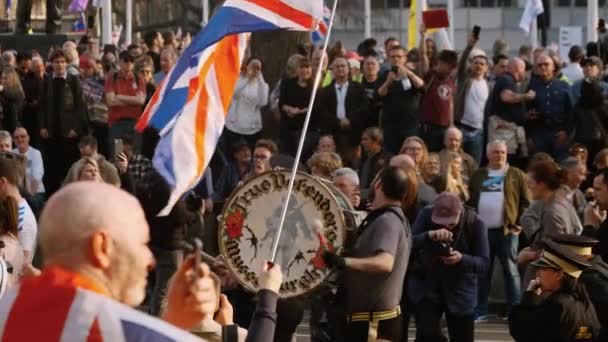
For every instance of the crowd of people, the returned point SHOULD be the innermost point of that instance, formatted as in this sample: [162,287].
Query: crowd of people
[453,159]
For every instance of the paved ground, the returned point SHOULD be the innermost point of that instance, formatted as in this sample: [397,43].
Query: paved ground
[493,331]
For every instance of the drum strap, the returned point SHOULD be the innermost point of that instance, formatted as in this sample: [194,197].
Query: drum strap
[377,213]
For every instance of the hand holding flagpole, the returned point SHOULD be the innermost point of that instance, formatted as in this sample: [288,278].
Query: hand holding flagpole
[296,161]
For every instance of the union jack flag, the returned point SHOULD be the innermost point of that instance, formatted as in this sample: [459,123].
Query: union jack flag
[53,307]
[190,105]
[318,37]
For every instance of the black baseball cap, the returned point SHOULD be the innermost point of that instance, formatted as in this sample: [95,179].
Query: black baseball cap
[558,257]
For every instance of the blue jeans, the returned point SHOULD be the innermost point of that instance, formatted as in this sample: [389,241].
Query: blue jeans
[472,142]
[505,248]
[394,137]
[545,141]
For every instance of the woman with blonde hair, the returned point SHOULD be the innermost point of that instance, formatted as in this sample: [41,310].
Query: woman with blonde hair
[324,164]
[431,169]
[416,148]
[453,177]
[11,99]
[89,171]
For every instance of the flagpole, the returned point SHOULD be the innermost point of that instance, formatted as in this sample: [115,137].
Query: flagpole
[368,18]
[592,19]
[296,161]
[129,23]
[106,25]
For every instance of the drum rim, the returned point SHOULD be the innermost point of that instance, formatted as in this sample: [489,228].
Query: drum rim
[222,221]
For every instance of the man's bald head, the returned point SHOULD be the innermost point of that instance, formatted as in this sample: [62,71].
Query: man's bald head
[517,68]
[100,232]
[403,161]
[77,211]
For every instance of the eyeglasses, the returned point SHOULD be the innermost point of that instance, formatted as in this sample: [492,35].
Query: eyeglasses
[146,71]
[542,64]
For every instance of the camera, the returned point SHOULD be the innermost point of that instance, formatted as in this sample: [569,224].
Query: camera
[441,249]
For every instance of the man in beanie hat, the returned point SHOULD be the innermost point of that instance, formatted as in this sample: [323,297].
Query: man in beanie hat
[450,252]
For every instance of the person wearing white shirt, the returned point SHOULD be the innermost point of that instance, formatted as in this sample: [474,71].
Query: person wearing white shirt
[573,71]
[27,228]
[250,95]
[34,168]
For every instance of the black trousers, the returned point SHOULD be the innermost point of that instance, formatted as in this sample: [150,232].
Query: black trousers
[390,330]
[53,15]
[59,154]
[428,317]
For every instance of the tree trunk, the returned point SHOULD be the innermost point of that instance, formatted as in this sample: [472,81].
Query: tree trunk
[274,48]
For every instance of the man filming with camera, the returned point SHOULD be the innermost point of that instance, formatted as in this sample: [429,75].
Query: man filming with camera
[450,251]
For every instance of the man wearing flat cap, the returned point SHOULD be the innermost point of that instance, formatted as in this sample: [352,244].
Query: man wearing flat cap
[595,278]
[450,252]
[556,306]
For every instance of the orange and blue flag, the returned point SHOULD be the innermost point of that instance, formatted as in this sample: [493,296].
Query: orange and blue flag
[189,107]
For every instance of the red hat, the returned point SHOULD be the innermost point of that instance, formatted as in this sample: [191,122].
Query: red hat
[353,55]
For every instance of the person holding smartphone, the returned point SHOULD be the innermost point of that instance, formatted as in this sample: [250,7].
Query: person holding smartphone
[401,93]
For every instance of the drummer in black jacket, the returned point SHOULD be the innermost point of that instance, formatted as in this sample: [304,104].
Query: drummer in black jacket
[595,278]
[556,307]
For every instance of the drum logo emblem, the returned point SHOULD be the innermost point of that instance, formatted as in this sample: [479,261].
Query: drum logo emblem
[250,222]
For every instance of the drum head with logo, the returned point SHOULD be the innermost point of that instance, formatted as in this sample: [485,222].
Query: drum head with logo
[250,221]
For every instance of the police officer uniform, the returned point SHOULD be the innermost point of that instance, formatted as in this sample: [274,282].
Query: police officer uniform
[565,315]
[595,278]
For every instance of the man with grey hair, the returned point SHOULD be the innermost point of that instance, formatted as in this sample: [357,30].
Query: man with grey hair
[452,142]
[8,59]
[167,60]
[500,195]
[6,141]
[347,181]
[576,174]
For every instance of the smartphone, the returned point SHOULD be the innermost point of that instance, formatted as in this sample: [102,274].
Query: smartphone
[601,26]
[395,70]
[476,31]
[118,148]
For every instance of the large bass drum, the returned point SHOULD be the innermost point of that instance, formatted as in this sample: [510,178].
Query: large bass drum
[250,220]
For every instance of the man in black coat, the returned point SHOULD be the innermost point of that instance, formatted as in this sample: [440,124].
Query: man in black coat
[343,110]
